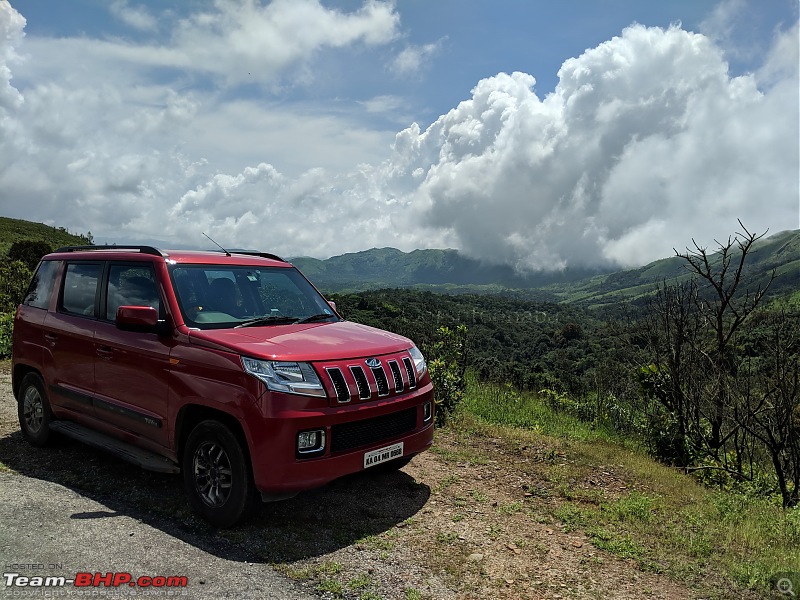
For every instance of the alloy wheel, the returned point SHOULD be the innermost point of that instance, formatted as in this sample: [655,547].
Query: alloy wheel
[33,409]
[213,476]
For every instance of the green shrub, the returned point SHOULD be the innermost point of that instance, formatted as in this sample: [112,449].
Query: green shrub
[6,329]
[29,252]
[14,280]
[447,365]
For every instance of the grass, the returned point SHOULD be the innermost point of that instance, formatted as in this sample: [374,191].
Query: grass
[462,455]
[621,545]
[510,509]
[332,587]
[376,542]
[361,582]
[329,578]
[663,519]
[504,406]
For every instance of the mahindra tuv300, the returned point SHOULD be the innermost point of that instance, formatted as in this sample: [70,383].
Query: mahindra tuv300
[230,368]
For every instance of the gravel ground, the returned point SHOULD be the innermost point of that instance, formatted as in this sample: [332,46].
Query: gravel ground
[55,531]
[462,521]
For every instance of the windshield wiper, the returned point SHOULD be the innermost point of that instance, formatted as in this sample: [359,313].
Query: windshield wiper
[317,317]
[266,320]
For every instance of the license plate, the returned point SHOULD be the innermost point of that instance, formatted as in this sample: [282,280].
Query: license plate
[381,455]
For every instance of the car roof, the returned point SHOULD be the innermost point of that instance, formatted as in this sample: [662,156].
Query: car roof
[136,253]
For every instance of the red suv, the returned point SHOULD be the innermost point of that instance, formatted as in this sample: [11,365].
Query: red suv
[229,367]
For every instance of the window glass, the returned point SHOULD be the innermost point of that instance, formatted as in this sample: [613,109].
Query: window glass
[225,296]
[131,285]
[42,284]
[80,287]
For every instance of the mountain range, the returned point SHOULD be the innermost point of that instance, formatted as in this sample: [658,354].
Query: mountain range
[448,271]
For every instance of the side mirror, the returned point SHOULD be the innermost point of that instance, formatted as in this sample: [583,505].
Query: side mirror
[139,318]
[333,306]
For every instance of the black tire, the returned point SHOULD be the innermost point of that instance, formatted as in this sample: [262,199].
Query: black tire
[33,408]
[217,476]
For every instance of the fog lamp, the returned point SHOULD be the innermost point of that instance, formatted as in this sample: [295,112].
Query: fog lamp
[311,441]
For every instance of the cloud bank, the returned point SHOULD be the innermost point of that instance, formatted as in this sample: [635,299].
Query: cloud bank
[646,142]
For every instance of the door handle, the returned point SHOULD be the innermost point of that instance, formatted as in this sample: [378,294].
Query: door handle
[104,351]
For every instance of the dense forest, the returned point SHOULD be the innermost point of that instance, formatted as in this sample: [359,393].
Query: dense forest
[703,370]
[530,345]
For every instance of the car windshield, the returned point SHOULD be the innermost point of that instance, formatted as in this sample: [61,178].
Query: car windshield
[221,296]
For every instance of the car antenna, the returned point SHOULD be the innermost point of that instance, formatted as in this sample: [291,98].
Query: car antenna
[220,247]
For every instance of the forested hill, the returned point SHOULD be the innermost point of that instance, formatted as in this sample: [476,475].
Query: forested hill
[449,271]
[389,268]
[779,252]
[17,230]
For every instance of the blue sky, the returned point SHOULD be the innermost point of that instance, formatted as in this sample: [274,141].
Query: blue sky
[538,134]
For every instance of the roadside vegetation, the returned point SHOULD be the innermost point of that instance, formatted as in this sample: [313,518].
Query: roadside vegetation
[711,537]
[22,244]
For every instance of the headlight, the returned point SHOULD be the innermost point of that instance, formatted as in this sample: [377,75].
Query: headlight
[419,361]
[288,377]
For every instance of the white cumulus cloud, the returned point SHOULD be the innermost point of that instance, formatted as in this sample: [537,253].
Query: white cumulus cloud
[646,140]
[413,59]
[137,17]
[12,25]
[242,41]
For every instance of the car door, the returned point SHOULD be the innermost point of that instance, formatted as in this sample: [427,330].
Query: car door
[69,338]
[131,367]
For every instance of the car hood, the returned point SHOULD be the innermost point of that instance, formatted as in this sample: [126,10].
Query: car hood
[306,342]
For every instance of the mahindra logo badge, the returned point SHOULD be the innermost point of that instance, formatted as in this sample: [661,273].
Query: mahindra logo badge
[373,362]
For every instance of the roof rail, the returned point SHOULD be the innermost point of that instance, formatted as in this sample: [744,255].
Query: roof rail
[142,249]
[255,253]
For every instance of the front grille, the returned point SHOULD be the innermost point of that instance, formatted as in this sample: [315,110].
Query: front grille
[398,378]
[361,381]
[370,431]
[380,380]
[339,384]
[412,374]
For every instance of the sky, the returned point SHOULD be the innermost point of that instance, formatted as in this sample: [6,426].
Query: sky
[539,134]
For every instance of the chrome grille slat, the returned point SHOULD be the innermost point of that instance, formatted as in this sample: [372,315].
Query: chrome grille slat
[380,380]
[339,384]
[396,375]
[361,381]
[412,374]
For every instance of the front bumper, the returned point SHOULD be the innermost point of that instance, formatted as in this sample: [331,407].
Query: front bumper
[350,432]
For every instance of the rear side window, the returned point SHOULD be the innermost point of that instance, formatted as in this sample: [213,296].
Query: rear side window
[80,288]
[131,285]
[42,284]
